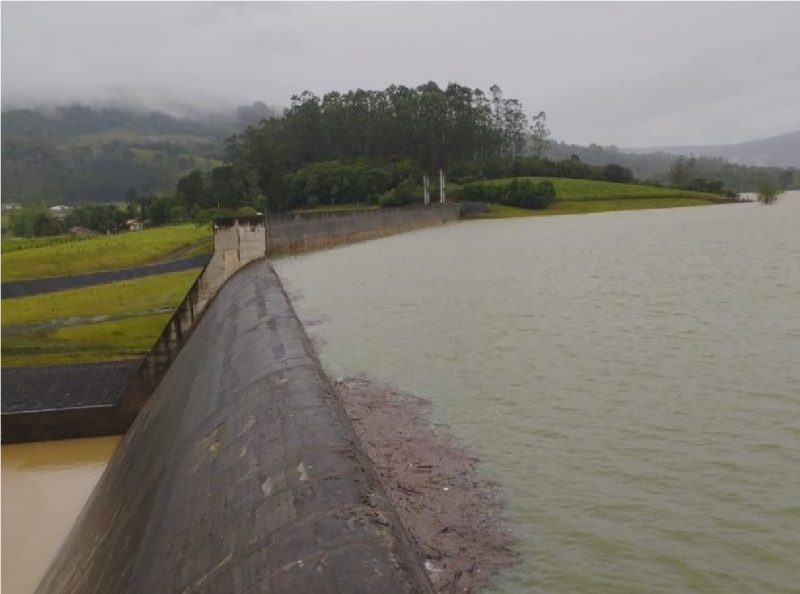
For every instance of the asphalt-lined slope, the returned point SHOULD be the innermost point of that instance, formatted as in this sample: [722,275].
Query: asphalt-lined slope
[53,387]
[242,474]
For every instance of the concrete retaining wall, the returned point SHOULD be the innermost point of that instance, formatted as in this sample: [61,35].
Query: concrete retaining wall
[241,474]
[296,233]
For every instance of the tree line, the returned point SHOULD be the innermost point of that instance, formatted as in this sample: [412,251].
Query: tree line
[367,146]
[687,172]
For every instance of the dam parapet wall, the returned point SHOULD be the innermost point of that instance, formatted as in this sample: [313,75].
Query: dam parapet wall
[237,242]
[302,232]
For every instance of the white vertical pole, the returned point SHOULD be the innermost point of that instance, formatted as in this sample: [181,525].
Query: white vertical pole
[426,188]
[441,186]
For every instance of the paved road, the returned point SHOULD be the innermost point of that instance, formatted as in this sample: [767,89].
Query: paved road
[26,288]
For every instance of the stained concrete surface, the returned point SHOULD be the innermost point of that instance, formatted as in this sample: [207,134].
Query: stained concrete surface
[241,474]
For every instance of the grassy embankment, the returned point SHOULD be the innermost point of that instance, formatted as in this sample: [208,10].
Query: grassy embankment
[101,322]
[47,257]
[579,196]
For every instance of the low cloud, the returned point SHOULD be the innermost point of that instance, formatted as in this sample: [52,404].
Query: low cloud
[630,74]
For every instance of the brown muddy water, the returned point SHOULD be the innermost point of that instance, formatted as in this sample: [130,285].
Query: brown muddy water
[631,380]
[45,486]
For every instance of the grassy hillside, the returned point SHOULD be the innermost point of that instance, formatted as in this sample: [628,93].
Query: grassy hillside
[185,162]
[585,189]
[564,207]
[10,243]
[98,139]
[101,322]
[123,298]
[78,154]
[129,338]
[581,196]
[104,252]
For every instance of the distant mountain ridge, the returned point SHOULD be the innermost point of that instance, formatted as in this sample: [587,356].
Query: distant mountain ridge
[775,151]
[77,153]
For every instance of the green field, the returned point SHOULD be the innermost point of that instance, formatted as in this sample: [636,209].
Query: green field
[136,296]
[586,189]
[105,252]
[100,322]
[125,136]
[192,161]
[86,343]
[564,207]
[581,196]
[13,244]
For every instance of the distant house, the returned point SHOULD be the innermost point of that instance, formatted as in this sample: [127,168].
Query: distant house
[60,211]
[80,231]
[11,206]
[133,225]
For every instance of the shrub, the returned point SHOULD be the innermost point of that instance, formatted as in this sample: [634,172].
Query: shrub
[407,192]
[527,194]
[518,192]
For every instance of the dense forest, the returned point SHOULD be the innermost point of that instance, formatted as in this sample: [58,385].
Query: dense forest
[377,146]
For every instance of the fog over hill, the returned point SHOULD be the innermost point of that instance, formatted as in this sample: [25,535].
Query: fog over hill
[623,73]
[776,151]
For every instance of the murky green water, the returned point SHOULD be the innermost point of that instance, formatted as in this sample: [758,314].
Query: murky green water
[631,380]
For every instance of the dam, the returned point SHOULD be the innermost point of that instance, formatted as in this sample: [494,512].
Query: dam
[629,379]
[240,471]
[241,474]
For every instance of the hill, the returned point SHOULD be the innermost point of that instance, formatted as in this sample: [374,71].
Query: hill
[75,154]
[776,151]
[656,166]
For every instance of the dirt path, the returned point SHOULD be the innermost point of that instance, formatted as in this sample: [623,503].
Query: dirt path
[451,513]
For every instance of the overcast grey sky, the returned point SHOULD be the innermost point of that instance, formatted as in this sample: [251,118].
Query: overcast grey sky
[631,74]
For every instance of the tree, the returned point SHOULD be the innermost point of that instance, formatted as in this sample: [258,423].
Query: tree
[192,188]
[768,191]
[540,135]
[32,221]
[682,171]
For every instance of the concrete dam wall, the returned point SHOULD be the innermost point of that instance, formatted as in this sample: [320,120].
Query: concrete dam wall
[302,232]
[241,474]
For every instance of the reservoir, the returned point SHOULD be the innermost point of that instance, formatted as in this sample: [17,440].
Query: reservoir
[45,486]
[630,380]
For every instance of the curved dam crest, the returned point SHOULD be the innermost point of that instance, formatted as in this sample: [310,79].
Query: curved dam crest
[241,474]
